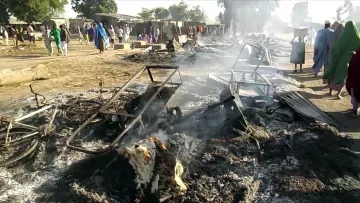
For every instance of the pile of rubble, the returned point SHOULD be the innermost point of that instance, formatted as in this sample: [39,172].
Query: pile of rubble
[280,158]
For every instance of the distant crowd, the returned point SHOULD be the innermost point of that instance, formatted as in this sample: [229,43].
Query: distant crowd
[337,49]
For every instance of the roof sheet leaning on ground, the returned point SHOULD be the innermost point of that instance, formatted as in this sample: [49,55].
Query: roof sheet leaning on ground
[304,108]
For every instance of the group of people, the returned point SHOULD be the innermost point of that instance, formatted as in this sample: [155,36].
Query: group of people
[152,36]
[17,32]
[337,49]
[60,35]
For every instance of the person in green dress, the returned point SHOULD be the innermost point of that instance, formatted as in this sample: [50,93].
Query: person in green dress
[344,46]
[55,33]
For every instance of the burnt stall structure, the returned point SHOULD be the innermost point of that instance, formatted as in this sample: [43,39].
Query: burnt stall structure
[135,115]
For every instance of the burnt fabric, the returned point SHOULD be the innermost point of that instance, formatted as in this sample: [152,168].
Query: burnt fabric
[353,77]
[297,53]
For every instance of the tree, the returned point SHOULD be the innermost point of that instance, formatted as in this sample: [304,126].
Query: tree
[31,10]
[179,12]
[161,13]
[196,14]
[146,14]
[341,10]
[299,13]
[4,14]
[86,8]
[241,12]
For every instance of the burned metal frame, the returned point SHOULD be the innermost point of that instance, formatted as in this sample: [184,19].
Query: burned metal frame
[242,49]
[266,84]
[137,117]
[36,131]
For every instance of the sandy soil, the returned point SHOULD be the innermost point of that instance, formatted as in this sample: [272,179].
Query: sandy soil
[317,92]
[74,73]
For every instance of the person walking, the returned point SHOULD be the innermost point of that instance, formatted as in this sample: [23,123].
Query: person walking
[30,33]
[297,53]
[347,43]
[92,33]
[4,33]
[65,38]
[127,33]
[80,35]
[120,34]
[55,33]
[47,40]
[311,37]
[321,49]
[353,81]
[333,37]
[157,34]
[112,36]
[86,34]
[100,37]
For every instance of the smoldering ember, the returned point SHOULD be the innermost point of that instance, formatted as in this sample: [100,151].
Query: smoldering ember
[214,121]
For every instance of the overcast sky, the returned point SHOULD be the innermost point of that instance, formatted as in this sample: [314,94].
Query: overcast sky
[319,10]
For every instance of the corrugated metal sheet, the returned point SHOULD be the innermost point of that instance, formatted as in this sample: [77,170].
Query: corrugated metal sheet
[305,108]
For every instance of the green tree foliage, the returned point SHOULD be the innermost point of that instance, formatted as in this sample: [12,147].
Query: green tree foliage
[161,13]
[244,13]
[299,13]
[179,11]
[146,14]
[341,10]
[196,14]
[87,8]
[4,14]
[31,10]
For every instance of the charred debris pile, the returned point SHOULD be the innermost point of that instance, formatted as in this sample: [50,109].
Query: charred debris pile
[252,47]
[220,153]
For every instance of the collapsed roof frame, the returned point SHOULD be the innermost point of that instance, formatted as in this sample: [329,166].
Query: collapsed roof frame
[137,117]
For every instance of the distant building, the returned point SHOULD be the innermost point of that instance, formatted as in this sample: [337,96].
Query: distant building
[115,19]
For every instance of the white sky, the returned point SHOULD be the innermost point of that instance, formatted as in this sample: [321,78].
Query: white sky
[319,10]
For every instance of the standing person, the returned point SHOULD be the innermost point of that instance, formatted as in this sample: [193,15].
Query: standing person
[112,36]
[47,40]
[348,42]
[156,34]
[15,36]
[20,32]
[55,33]
[100,37]
[311,37]
[86,34]
[297,53]
[80,35]
[321,49]
[5,34]
[333,37]
[120,34]
[65,38]
[127,33]
[91,33]
[30,33]
[353,81]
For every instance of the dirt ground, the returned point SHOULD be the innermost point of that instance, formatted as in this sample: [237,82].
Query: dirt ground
[318,93]
[76,72]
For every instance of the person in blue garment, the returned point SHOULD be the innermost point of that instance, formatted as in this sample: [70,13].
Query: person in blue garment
[321,48]
[100,37]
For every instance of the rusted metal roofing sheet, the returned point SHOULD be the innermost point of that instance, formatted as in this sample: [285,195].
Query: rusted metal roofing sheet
[304,108]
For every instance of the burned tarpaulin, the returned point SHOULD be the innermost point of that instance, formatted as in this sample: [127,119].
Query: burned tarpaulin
[304,108]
